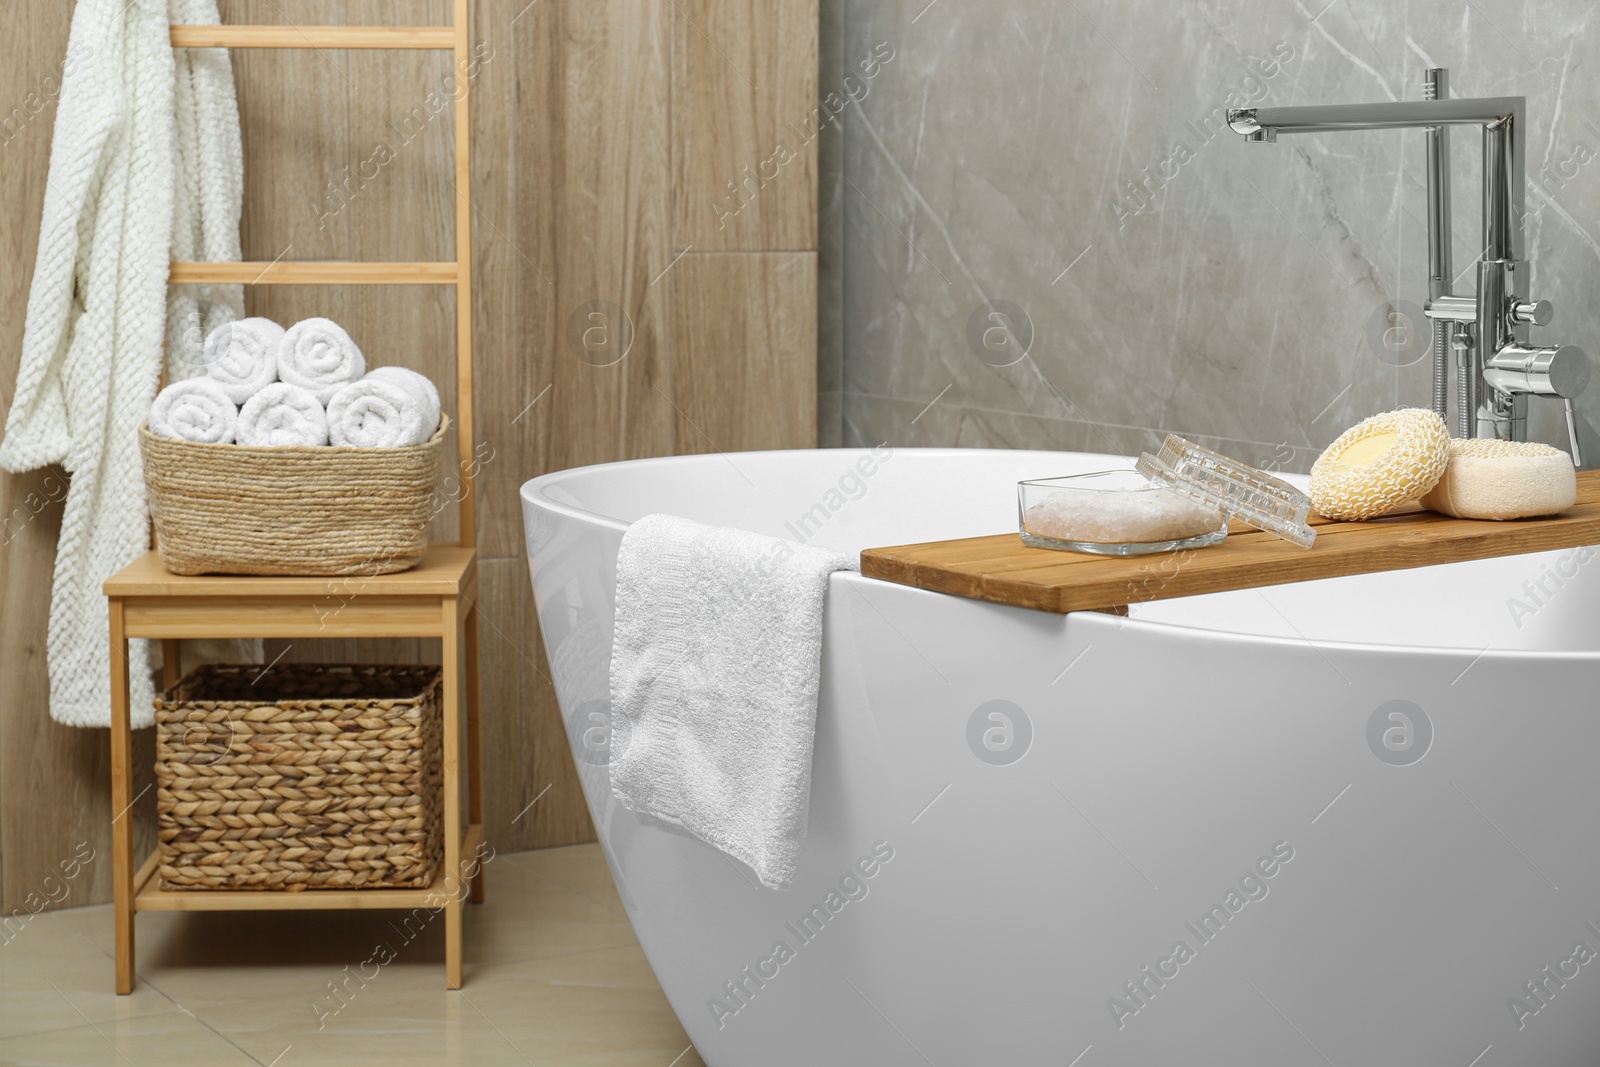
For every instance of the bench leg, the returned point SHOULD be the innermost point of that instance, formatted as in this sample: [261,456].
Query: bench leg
[121,800]
[474,745]
[454,891]
[171,662]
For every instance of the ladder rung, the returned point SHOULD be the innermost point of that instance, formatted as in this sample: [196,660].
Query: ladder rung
[304,273]
[396,37]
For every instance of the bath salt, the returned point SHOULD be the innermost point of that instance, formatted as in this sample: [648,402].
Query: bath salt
[1095,517]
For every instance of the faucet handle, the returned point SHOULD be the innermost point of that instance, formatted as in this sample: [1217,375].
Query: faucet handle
[1562,370]
[1533,312]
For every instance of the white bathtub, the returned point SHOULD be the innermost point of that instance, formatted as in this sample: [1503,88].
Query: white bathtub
[1014,902]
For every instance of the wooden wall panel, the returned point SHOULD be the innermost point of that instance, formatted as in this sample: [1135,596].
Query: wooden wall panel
[28,536]
[601,137]
[560,817]
[746,350]
[511,281]
[508,667]
[599,127]
[597,331]
[745,125]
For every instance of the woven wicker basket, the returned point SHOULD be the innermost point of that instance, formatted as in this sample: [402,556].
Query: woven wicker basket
[331,510]
[301,776]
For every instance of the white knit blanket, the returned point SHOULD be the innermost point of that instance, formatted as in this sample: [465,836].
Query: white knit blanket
[97,311]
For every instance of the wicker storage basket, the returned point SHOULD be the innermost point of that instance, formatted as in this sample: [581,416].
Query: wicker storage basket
[302,776]
[329,510]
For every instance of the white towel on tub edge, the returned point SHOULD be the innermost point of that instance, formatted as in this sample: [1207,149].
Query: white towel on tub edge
[714,676]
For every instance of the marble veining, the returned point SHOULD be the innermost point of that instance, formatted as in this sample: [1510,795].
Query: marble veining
[1065,166]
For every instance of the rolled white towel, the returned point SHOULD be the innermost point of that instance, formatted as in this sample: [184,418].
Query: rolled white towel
[195,410]
[318,355]
[375,413]
[283,414]
[242,356]
[410,379]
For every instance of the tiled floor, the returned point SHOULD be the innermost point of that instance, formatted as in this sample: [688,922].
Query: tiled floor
[553,976]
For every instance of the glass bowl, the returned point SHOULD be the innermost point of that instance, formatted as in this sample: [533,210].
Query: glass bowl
[1113,513]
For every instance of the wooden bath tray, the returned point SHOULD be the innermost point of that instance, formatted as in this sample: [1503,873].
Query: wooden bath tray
[1004,570]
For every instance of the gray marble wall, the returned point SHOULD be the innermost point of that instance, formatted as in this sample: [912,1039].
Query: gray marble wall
[1060,161]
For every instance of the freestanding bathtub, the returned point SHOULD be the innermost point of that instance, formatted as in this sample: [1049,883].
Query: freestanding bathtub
[1346,822]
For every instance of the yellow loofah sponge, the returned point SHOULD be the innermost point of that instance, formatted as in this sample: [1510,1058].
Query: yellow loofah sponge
[1379,464]
[1488,479]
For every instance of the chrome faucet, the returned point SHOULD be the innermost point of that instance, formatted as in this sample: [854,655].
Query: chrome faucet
[1496,368]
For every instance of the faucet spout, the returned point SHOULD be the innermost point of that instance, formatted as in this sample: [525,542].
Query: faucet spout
[1502,369]
[1387,115]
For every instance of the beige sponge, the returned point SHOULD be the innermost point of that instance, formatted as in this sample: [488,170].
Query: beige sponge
[1488,479]
[1379,464]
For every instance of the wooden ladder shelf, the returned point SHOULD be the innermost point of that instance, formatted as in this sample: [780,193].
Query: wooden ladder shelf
[437,598]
